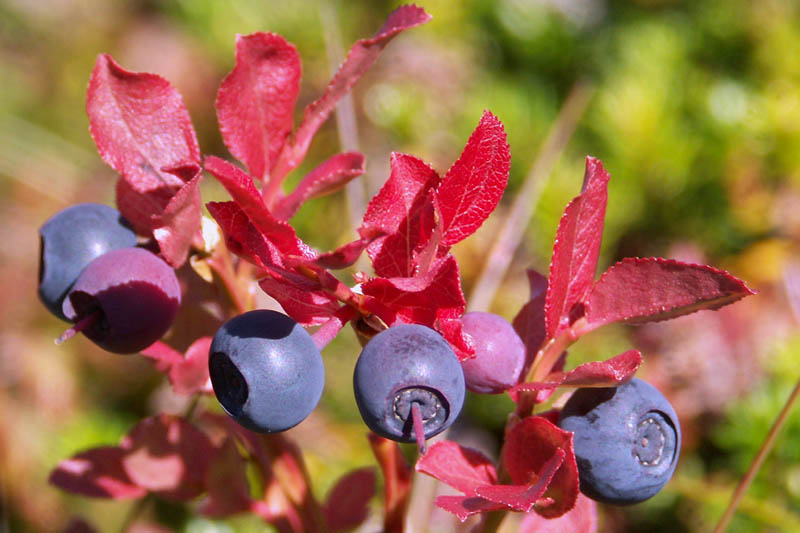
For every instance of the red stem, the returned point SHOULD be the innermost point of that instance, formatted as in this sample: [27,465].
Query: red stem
[79,326]
[419,430]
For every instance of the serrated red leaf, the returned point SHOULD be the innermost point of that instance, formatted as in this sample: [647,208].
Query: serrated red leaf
[609,373]
[637,290]
[576,249]
[344,256]
[327,178]
[244,193]
[347,504]
[462,468]
[359,59]
[176,226]
[529,445]
[396,481]
[581,518]
[473,186]
[465,506]
[301,298]
[227,489]
[140,125]
[167,456]
[434,299]
[255,102]
[529,322]
[241,236]
[524,497]
[96,473]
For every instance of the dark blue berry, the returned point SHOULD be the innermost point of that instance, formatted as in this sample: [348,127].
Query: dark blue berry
[401,366]
[70,240]
[627,441]
[266,371]
[125,300]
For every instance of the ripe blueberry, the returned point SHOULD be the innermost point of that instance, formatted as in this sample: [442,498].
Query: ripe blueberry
[70,240]
[627,441]
[266,370]
[124,300]
[401,366]
[499,353]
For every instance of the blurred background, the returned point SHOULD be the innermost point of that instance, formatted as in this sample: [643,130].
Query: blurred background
[693,107]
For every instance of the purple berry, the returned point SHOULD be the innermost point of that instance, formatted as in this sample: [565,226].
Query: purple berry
[627,441]
[70,240]
[499,353]
[127,298]
[402,366]
[266,370]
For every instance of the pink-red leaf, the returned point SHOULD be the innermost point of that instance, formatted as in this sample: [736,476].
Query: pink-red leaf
[347,504]
[344,256]
[529,322]
[241,236]
[176,226]
[140,125]
[577,246]
[649,289]
[244,193]
[96,473]
[581,518]
[190,374]
[529,445]
[462,468]
[327,178]
[465,506]
[610,373]
[301,298]
[256,100]
[227,489]
[168,456]
[524,497]
[473,186]
[359,59]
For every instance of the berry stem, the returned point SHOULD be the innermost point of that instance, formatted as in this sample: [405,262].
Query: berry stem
[766,447]
[419,430]
[79,326]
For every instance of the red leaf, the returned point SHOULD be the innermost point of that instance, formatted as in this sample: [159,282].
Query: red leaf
[462,468]
[241,236]
[524,497]
[175,227]
[141,209]
[529,445]
[227,488]
[330,329]
[359,59]
[577,246]
[140,125]
[327,178]
[244,193]
[465,506]
[256,100]
[473,186]
[529,322]
[637,290]
[190,374]
[610,373]
[433,299]
[396,481]
[96,473]
[300,298]
[347,504]
[344,256]
[168,456]
[163,355]
[582,517]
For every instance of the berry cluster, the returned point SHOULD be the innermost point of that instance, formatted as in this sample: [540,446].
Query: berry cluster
[112,274]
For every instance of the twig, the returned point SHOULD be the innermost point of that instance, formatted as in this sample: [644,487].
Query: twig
[766,447]
[498,259]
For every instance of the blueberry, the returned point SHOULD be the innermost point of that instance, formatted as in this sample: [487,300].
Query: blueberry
[627,441]
[125,300]
[499,353]
[266,370]
[403,365]
[70,240]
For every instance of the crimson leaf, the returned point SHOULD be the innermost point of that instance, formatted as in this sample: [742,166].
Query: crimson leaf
[175,227]
[582,517]
[359,59]
[649,289]
[473,186]
[529,322]
[524,497]
[347,504]
[256,100]
[227,489]
[96,473]
[462,468]
[577,246]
